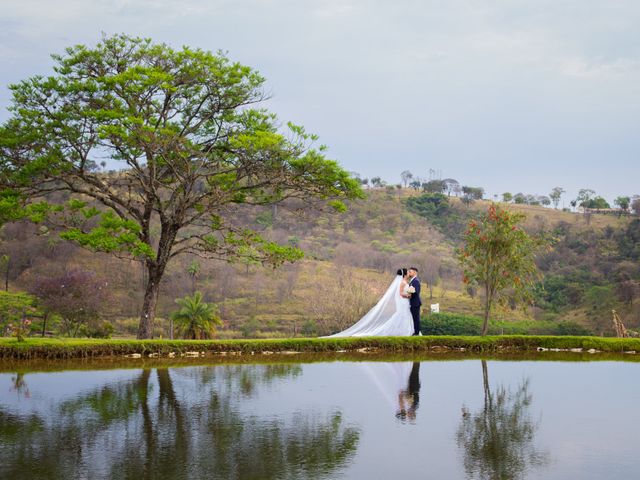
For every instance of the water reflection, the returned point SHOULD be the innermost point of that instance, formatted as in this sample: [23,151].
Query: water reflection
[409,397]
[498,441]
[147,427]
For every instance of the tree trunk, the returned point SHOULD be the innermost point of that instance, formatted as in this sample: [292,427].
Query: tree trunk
[44,323]
[487,310]
[155,271]
[148,314]
[485,384]
[6,276]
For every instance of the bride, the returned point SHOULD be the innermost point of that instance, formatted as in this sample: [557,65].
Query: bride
[391,316]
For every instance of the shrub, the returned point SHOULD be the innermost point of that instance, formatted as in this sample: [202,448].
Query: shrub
[458,324]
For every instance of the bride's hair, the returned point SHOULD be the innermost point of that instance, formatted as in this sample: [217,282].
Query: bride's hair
[402,271]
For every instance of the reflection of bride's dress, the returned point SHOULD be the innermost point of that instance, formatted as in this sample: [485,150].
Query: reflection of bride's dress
[391,316]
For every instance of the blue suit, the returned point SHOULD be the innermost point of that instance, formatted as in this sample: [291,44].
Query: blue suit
[415,302]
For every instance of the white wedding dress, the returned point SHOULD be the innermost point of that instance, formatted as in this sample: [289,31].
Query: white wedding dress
[389,317]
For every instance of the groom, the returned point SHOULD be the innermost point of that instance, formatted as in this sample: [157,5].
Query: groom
[415,301]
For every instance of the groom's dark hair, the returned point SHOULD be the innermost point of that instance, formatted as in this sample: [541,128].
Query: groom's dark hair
[414,269]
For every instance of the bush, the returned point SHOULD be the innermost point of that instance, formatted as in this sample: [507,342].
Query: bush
[458,324]
[102,330]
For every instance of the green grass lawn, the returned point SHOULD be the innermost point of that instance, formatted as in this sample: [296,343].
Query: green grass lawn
[43,348]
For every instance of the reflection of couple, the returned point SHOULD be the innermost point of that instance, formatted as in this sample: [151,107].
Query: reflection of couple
[399,384]
[409,397]
[396,314]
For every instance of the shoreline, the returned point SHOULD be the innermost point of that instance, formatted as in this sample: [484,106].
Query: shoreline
[63,348]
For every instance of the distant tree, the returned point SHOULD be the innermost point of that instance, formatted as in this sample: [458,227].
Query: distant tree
[376,182]
[499,256]
[623,203]
[507,197]
[77,296]
[434,186]
[544,200]
[192,143]
[194,270]
[416,184]
[596,203]
[406,177]
[519,198]
[451,185]
[556,195]
[476,193]
[584,195]
[196,319]
[532,200]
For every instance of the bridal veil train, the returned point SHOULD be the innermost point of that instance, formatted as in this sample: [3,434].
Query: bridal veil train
[391,316]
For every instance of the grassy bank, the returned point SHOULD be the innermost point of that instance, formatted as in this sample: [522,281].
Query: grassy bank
[90,348]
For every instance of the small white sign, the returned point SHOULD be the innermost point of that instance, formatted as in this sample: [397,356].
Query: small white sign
[435,308]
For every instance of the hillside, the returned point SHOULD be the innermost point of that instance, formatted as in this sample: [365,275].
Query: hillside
[350,259]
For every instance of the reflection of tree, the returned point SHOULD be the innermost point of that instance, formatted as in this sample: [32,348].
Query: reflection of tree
[141,428]
[498,441]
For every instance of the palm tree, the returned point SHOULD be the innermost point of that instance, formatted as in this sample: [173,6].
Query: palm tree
[196,319]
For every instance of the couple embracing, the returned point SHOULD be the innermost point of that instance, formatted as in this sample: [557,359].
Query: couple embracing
[396,314]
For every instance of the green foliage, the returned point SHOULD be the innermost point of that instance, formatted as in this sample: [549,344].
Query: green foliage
[12,308]
[596,202]
[103,329]
[623,202]
[250,328]
[436,208]
[499,256]
[196,319]
[458,324]
[193,146]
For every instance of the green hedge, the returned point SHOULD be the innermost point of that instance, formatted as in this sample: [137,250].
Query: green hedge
[457,324]
[10,348]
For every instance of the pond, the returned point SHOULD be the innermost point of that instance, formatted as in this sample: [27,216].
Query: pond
[428,417]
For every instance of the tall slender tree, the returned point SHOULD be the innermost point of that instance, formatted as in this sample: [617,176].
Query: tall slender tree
[184,131]
[499,256]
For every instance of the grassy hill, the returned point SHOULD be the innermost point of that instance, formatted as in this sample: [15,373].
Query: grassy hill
[350,260]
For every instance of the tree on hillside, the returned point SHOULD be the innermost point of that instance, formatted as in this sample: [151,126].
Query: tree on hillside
[475,193]
[544,200]
[584,195]
[406,177]
[499,256]
[377,182]
[507,197]
[77,296]
[451,185]
[416,184]
[556,195]
[434,186]
[623,203]
[194,271]
[519,198]
[192,145]
[195,319]
[596,203]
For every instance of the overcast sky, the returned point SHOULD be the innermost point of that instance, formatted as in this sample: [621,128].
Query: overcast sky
[511,95]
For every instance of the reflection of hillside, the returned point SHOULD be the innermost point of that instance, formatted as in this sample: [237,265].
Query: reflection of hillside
[498,442]
[144,428]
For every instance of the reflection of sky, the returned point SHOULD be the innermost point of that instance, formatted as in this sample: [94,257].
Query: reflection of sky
[588,411]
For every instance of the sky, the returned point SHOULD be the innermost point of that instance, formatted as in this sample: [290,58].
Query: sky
[510,95]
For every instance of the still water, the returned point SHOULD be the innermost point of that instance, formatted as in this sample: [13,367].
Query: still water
[426,418]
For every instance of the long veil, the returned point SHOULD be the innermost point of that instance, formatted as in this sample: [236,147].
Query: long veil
[377,316]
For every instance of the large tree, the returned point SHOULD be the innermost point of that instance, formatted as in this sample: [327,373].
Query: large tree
[184,134]
[499,256]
